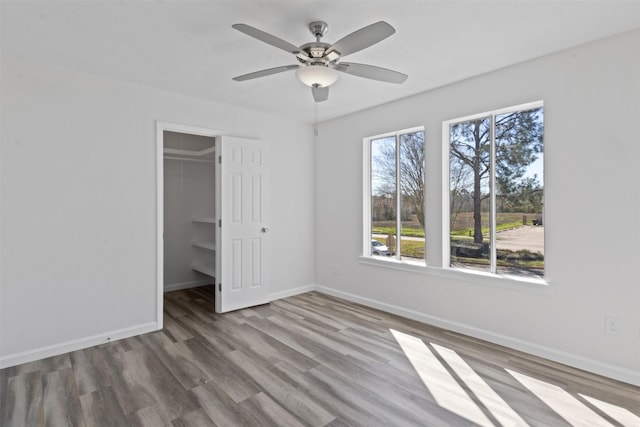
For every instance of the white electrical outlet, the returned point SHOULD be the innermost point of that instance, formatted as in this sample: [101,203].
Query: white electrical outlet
[611,325]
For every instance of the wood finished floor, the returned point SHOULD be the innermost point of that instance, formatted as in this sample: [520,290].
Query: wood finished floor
[308,360]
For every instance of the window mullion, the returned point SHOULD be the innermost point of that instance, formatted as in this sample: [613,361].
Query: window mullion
[366,244]
[492,198]
[398,200]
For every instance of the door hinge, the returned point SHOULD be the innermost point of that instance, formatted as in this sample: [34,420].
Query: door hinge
[220,160]
[219,223]
[219,287]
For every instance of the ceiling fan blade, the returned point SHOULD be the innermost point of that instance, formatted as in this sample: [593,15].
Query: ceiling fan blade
[267,38]
[263,73]
[362,38]
[320,93]
[371,72]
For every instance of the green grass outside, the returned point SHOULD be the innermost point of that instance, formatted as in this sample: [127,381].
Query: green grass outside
[409,248]
[415,249]
[418,232]
[465,232]
[406,231]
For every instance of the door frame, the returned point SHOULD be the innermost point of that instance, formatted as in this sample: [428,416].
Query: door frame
[162,126]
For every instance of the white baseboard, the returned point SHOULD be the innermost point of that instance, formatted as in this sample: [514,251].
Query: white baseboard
[292,292]
[185,285]
[73,345]
[569,359]
[573,360]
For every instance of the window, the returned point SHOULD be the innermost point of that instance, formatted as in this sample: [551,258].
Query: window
[496,192]
[394,205]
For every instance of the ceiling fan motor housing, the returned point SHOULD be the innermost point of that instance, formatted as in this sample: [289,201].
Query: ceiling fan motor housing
[318,28]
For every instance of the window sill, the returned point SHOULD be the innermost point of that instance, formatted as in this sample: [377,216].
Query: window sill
[480,277]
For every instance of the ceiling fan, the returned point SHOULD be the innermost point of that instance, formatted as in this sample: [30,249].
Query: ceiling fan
[319,62]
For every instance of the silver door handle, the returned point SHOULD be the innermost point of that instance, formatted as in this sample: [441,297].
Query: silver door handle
[265,229]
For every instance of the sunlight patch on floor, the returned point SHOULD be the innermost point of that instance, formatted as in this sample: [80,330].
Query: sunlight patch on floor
[568,407]
[455,386]
[489,398]
[622,415]
[444,388]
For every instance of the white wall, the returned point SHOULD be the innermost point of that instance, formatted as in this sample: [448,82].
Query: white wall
[591,96]
[78,204]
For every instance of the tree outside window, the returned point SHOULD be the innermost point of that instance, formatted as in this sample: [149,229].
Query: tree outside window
[496,192]
[397,194]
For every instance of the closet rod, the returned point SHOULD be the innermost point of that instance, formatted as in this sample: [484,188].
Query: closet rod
[189,160]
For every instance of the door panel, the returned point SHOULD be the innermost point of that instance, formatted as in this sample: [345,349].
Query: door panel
[256,262]
[236,265]
[256,196]
[243,236]
[236,196]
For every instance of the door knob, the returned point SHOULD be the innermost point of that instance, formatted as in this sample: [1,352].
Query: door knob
[265,229]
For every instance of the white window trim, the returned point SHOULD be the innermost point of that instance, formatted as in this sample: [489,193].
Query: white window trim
[523,283]
[366,193]
[520,283]
[446,242]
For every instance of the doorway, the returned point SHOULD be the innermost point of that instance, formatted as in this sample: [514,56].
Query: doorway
[185,225]
[229,233]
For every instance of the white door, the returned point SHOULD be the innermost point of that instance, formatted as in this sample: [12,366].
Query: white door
[243,229]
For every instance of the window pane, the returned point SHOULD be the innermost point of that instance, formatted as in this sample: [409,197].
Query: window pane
[469,171]
[412,196]
[519,193]
[383,196]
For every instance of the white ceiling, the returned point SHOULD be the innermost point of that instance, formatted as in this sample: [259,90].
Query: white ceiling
[189,47]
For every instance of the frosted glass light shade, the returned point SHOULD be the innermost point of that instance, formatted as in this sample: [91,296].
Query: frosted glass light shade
[317,75]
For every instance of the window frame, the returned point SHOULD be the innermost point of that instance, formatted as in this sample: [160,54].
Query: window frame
[442,268]
[446,183]
[367,196]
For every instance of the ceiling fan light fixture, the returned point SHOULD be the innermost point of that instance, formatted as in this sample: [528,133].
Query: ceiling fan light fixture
[317,75]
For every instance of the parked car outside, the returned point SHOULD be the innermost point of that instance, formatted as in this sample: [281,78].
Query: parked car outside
[378,248]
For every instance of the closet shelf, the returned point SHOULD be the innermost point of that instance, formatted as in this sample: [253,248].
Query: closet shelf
[204,244]
[204,219]
[208,269]
[200,153]
[207,155]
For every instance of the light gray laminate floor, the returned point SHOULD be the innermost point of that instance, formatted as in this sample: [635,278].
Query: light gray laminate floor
[306,360]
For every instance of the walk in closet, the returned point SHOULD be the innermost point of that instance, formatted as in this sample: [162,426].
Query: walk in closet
[212,215]
[189,210]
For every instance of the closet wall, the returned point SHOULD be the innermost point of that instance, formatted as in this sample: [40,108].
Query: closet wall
[188,195]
